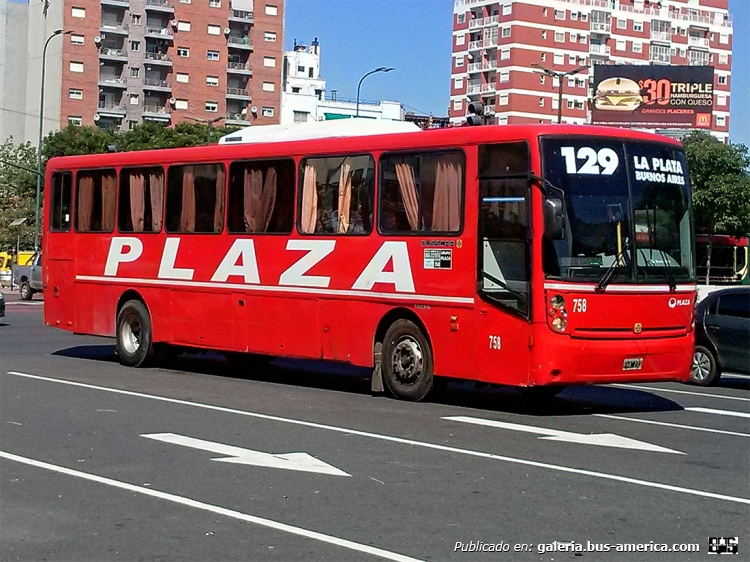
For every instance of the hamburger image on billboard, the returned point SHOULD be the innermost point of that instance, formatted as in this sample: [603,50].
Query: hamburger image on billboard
[618,94]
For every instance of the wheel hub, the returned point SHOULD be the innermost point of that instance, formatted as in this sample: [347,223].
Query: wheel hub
[407,360]
[131,334]
[701,366]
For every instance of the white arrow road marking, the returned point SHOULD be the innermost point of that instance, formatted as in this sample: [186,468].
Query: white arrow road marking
[290,461]
[720,412]
[603,439]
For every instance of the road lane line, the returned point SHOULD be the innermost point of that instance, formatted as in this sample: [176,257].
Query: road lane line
[677,425]
[426,445]
[720,412]
[654,389]
[263,522]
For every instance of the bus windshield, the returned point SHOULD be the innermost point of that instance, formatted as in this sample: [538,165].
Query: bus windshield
[626,211]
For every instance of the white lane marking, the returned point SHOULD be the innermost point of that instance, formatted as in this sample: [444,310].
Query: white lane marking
[237,455]
[262,521]
[434,446]
[655,389]
[720,412]
[601,439]
[24,303]
[677,425]
[735,376]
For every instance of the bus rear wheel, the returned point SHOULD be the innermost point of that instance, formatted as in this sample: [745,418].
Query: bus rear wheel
[134,342]
[407,361]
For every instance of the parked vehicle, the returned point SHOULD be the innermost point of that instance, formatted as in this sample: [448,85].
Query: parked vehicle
[6,273]
[722,338]
[2,305]
[28,278]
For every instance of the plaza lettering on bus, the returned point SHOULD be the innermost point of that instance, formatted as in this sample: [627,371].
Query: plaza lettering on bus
[241,261]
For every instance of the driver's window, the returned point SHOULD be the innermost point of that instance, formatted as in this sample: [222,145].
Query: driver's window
[504,275]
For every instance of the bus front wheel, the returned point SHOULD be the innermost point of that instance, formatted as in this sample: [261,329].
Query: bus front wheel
[134,342]
[407,361]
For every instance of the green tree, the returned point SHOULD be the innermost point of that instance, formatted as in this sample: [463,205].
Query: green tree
[17,194]
[721,186]
[77,140]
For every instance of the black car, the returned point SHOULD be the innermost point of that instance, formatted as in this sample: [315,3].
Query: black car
[722,335]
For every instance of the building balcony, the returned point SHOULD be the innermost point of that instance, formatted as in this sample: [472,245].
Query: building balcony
[235,42]
[476,23]
[599,50]
[116,3]
[236,119]
[601,28]
[120,28]
[698,42]
[489,65]
[473,89]
[488,88]
[240,68]
[110,53]
[492,20]
[474,67]
[661,36]
[697,58]
[111,109]
[113,81]
[474,45]
[239,94]
[156,112]
[660,58]
[490,43]
[159,33]
[163,6]
[158,58]
[241,16]
[156,84]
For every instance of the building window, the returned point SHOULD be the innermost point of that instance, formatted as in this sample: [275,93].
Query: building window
[502,99]
[581,61]
[214,29]
[579,105]
[504,53]
[182,77]
[559,14]
[506,31]
[723,38]
[544,34]
[95,201]
[581,82]
[505,76]
[183,26]
[75,120]
[570,104]
[458,83]
[135,72]
[637,47]
[76,39]
[507,9]
[76,66]
[181,104]
[544,12]
[723,58]
[212,106]
[459,61]
[542,79]
[75,94]
[543,57]
[582,39]
[584,16]
[183,52]
[461,18]
[135,46]
[458,105]
[272,10]
[134,99]
[502,120]
[79,13]
[573,37]
[541,102]
[212,80]
[720,99]
[460,39]
[212,55]
[203,208]
[638,26]
[574,16]
[214,3]
[269,36]
[559,36]
[270,62]
[267,111]
[269,86]
[571,81]
[722,80]
[620,45]
[721,120]
[135,19]
[571,59]
[132,125]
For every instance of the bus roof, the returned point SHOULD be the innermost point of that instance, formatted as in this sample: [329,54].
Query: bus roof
[402,140]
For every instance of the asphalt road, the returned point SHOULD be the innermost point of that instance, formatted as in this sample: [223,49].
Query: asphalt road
[101,462]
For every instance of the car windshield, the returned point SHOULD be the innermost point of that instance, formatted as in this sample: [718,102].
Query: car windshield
[626,210]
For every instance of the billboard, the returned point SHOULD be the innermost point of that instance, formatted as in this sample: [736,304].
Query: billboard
[663,97]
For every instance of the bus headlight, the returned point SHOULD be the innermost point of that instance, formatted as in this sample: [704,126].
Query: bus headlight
[558,301]
[559,323]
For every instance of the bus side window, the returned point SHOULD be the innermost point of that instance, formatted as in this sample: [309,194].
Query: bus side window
[261,196]
[505,269]
[96,191]
[62,189]
[141,199]
[336,195]
[195,198]
[421,192]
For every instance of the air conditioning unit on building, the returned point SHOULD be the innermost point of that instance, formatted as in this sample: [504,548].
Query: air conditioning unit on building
[97,40]
[172,101]
[173,23]
[227,31]
[97,117]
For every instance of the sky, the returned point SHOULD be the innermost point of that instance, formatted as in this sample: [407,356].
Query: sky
[414,37]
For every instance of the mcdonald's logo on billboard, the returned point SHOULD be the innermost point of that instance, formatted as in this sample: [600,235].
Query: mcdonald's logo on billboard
[703,120]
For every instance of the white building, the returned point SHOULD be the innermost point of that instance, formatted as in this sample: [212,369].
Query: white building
[303,96]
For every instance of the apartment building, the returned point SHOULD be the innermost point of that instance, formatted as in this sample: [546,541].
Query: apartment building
[125,61]
[497,43]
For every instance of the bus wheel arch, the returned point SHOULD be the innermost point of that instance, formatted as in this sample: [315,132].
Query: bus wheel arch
[133,331]
[403,355]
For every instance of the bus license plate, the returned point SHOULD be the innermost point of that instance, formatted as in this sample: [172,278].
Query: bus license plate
[633,364]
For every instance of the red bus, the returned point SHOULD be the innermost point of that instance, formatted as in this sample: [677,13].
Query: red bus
[519,255]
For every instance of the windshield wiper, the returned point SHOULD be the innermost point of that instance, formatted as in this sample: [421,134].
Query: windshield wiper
[613,269]
[668,270]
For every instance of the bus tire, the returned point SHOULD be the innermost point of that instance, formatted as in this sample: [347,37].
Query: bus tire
[133,336]
[25,290]
[406,361]
[704,371]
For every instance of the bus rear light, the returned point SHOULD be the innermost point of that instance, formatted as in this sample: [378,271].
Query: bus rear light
[558,301]
[559,323]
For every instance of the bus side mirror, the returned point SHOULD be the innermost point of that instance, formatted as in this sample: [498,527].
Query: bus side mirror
[554,220]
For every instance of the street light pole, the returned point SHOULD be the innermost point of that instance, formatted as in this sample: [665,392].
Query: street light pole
[208,124]
[559,75]
[379,69]
[41,131]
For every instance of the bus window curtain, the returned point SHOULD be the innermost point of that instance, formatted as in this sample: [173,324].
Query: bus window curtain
[408,186]
[446,205]
[252,192]
[187,213]
[109,194]
[137,200]
[156,188]
[85,203]
[268,200]
[345,198]
[219,203]
[309,200]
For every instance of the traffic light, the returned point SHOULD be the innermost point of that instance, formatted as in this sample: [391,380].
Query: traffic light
[476,113]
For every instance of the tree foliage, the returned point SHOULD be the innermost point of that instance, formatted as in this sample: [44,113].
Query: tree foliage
[17,194]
